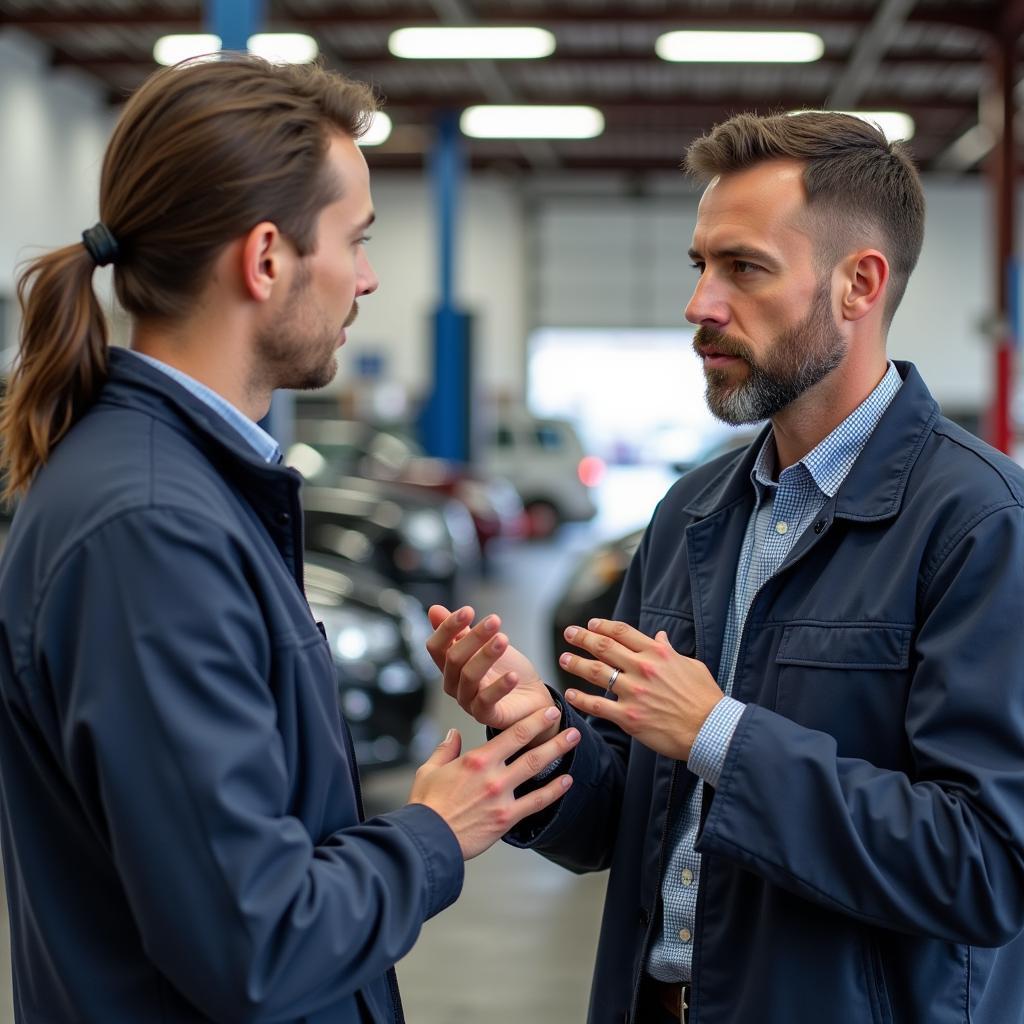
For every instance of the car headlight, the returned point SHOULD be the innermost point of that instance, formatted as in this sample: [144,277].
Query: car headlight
[360,635]
[424,529]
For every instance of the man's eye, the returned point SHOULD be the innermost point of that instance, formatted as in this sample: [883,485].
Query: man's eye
[363,239]
[743,267]
[699,267]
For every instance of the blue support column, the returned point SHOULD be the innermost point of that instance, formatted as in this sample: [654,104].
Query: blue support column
[234,21]
[446,416]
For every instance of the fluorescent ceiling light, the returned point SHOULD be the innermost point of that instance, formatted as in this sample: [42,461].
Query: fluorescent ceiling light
[284,47]
[378,132]
[748,47]
[472,43]
[174,49]
[508,122]
[893,124]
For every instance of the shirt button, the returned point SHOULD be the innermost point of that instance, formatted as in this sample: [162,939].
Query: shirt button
[684,934]
[687,877]
[283,518]
[781,527]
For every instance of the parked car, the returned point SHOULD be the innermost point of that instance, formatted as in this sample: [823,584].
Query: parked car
[331,449]
[385,676]
[591,592]
[545,460]
[424,544]
[594,584]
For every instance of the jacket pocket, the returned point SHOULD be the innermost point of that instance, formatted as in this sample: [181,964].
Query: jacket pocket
[860,645]
[849,680]
[878,991]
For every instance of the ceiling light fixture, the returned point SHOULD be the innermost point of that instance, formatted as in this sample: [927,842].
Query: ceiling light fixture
[284,47]
[748,47]
[174,49]
[378,132]
[893,124]
[531,122]
[443,43]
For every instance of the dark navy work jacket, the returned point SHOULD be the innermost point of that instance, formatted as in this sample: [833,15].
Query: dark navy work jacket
[182,835]
[863,853]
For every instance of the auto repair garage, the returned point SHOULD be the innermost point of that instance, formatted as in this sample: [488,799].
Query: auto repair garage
[798,793]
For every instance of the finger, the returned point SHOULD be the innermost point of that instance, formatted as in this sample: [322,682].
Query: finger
[604,648]
[662,637]
[534,761]
[521,733]
[482,707]
[595,672]
[598,707]
[478,666]
[462,650]
[437,613]
[622,633]
[446,632]
[447,750]
[539,799]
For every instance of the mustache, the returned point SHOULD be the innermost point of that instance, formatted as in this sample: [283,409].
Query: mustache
[709,339]
[353,313]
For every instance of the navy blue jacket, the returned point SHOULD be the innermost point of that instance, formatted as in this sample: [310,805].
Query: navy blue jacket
[863,854]
[182,833]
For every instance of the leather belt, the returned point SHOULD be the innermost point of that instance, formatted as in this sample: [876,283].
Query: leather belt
[673,999]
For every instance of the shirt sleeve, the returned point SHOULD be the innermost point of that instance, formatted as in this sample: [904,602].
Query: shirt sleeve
[707,757]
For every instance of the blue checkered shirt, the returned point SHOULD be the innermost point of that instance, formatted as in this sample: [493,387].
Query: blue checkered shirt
[783,509]
[252,433]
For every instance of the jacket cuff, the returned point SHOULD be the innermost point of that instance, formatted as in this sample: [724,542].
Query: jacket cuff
[442,855]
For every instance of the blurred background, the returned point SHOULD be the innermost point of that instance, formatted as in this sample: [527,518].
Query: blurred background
[521,391]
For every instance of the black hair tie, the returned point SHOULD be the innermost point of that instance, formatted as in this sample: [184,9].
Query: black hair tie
[101,244]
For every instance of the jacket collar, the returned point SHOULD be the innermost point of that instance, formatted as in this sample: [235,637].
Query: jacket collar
[876,484]
[133,383]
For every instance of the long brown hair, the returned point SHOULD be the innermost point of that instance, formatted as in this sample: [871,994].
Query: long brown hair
[855,180]
[202,152]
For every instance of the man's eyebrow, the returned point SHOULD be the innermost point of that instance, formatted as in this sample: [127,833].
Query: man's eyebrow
[369,220]
[739,252]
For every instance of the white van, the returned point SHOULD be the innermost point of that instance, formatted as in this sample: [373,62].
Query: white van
[545,460]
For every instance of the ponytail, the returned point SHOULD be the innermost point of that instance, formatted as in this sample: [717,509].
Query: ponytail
[61,364]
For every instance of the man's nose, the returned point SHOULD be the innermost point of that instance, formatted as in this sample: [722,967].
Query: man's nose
[707,306]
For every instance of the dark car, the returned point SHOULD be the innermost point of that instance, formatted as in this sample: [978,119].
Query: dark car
[329,450]
[385,675]
[592,591]
[423,544]
[594,584]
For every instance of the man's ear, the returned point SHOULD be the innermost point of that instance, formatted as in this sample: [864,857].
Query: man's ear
[864,277]
[263,253]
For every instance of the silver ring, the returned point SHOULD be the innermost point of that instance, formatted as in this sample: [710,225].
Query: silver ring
[612,679]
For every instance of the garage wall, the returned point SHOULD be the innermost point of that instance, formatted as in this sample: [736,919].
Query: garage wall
[526,258]
[624,263]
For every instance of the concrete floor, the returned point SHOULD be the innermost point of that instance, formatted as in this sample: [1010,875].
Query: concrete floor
[519,944]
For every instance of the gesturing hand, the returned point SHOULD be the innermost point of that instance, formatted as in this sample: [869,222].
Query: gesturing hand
[474,792]
[490,679]
[662,698]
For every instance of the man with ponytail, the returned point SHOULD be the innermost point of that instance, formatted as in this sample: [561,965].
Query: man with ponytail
[182,833]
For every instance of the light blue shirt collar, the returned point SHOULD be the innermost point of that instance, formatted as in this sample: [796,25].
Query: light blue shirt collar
[829,462]
[254,435]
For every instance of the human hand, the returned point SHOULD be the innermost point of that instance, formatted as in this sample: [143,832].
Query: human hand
[663,698]
[474,792]
[490,679]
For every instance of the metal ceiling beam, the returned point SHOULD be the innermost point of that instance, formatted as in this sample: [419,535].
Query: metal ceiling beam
[869,54]
[975,17]
[383,62]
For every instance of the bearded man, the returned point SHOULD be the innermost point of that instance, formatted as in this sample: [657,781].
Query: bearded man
[807,780]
